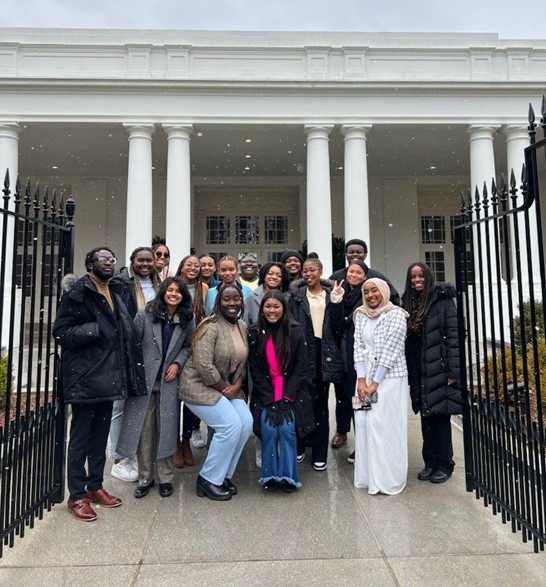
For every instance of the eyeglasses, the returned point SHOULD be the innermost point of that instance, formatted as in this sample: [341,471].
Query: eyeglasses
[159,254]
[111,260]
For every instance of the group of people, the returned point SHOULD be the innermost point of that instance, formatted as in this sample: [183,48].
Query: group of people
[245,349]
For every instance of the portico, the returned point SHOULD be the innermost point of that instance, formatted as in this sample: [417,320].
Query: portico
[232,142]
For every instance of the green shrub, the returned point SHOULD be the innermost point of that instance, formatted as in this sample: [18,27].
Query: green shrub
[518,377]
[4,371]
[525,312]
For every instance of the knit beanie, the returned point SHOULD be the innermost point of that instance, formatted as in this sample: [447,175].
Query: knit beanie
[291,253]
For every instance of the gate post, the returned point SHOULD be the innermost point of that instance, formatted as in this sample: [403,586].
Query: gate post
[67,254]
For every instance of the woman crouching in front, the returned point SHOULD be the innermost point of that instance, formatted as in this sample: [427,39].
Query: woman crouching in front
[211,387]
[280,399]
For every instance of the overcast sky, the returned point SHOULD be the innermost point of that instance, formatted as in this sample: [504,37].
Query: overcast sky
[509,18]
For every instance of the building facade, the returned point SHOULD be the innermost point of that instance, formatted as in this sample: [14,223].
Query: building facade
[235,142]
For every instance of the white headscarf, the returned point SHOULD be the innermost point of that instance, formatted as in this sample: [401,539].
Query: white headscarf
[385,306]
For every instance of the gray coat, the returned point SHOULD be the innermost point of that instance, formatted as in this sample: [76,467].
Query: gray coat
[169,406]
[252,305]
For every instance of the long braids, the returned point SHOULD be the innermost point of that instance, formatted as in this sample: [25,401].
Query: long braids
[417,304]
[198,303]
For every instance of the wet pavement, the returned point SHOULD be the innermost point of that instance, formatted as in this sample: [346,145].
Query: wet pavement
[328,533]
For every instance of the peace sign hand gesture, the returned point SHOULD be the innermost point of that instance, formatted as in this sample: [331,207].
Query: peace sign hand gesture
[336,295]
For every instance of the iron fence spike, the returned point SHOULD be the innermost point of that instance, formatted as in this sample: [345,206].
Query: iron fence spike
[531,116]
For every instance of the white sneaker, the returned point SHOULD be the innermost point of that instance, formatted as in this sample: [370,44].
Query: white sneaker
[197,440]
[125,471]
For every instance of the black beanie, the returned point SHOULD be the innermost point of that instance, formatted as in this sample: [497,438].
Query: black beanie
[291,253]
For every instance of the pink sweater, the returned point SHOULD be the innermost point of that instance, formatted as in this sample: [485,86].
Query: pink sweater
[275,369]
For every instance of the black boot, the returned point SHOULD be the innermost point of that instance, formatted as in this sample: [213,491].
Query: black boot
[214,492]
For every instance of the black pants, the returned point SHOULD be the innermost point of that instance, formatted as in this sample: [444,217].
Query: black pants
[88,438]
[437,445]
[344,403]
[190,422]
[318,439]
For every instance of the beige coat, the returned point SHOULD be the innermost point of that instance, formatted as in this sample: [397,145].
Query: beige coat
[210,362]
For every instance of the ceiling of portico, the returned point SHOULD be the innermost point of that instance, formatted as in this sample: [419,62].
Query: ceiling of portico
[220,151]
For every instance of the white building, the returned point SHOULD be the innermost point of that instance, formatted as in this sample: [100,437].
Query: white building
[237,141]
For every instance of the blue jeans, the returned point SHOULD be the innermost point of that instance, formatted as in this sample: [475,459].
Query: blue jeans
[232,424]
[115,429]
[279,459]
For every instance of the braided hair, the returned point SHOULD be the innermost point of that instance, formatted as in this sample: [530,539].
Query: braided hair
[415,303]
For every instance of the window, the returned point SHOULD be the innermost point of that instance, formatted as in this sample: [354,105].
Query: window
[218,230]
[455,221]
[433,230]
[247,230]
[274,256]
[436,261]
[276,230]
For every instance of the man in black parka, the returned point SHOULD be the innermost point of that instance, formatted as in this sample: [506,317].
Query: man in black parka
[101,362]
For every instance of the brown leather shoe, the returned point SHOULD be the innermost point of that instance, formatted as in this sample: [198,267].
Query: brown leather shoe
[103,498]
[338,440]
[187,454]
[178,459]
[81,510]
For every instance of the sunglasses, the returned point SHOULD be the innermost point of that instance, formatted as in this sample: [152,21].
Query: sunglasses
[159,255]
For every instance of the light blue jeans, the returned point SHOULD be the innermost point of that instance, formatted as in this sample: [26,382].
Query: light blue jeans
[232,424]
[115,429]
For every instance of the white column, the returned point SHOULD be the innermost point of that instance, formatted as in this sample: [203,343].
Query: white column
[139,188]
[482,169]
[356,197]
[517,139]
[319,208]
[178,221]
[9,160]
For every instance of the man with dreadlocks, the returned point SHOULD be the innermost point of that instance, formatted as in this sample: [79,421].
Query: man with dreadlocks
[432,355]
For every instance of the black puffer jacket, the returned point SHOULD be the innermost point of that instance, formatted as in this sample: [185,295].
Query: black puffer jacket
[102,356]
[332,360]
[294,381]
[434,357]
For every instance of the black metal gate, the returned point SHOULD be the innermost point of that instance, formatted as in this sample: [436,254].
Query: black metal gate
[499,257]
[36,250]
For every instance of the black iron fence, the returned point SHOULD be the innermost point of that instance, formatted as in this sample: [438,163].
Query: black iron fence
[36,250]
[503,352]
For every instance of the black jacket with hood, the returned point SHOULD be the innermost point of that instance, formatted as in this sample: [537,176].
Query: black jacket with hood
[433,357]
[101,351]
[332,360]
[294,380]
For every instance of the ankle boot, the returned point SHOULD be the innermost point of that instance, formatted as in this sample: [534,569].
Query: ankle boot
[178,459]
[214,492]
[186,453]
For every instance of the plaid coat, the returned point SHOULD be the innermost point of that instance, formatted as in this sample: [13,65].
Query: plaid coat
[210,361]
[389,338]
